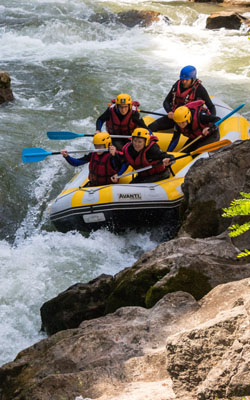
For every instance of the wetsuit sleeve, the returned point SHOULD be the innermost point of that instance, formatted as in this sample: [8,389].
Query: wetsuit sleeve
[167,104]
[174,140]
[75,162]
[123,168]
[103,118]
[138,120]
[202,94]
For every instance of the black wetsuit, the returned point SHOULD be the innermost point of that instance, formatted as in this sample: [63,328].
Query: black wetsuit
[165,123]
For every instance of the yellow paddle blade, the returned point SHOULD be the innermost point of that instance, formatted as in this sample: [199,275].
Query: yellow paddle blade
[212,146]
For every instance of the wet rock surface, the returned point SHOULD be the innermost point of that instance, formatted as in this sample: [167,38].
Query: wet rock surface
[6,94]
[131,18]
[227,20]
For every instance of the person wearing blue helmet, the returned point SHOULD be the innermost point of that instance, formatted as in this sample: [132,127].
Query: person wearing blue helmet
[187,89]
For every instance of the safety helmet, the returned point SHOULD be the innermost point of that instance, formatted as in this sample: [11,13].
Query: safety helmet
[102,138]
[182,114]
[123,99]
[141,133]
[188,72]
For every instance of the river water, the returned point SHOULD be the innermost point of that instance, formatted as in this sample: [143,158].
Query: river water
[67,59]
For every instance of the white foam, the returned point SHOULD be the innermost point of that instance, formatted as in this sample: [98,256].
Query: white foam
[44,264]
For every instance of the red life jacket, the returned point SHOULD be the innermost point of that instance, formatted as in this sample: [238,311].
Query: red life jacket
[182,98]
[124,127]
[100,169]
[196,126]
[141,159]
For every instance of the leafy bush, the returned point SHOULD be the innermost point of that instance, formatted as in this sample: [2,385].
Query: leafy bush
[239,207]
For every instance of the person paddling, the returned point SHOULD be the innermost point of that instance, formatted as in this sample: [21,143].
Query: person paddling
[143,151]
[187,89]
[121,118]
[194,120]
[102,165]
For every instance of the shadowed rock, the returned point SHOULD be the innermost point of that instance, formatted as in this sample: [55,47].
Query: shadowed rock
[79,302]
[210,185]
[5,89]
[225,19]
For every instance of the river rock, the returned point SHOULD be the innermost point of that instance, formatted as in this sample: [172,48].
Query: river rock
[130,18]
[183,264]
[143,18]
[225,19]
[210,185]
[178,349]
[79,302]
[212,357]
[243,4]
[5,89]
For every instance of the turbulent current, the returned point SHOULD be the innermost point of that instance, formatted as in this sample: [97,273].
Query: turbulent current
[67,59]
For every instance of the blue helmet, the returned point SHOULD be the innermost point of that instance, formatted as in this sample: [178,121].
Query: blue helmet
[188,72]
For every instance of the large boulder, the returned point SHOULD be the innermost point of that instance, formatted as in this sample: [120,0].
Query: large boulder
[225,19]
[79,302]
[212,357]
[184,264]
[210,185]
[179,349]
[142,18]
[6,94]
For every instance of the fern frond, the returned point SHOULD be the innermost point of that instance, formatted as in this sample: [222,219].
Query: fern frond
[246,195]
[239,229]
[240,207]
[244,253]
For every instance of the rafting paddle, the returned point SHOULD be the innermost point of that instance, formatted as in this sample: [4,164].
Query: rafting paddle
[153,113]
[37,154]
[65,135]
[203,149]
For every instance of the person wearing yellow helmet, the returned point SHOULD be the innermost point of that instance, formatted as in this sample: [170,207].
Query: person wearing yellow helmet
[194,120]
[143,151]
[185,90]
[121,118]
[102,165]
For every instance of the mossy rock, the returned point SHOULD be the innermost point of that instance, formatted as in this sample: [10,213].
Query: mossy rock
[131,288]
[203,220]
[186,280]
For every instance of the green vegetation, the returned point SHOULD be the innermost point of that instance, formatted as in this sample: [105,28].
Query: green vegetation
[239,207]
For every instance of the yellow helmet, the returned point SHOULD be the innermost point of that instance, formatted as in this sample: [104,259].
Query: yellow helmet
[123,99]
[102,138]
[182,114]
[141,133]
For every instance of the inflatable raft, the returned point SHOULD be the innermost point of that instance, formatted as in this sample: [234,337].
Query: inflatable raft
[125,205]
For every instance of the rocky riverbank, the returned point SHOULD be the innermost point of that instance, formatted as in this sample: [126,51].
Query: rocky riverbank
[173,326]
